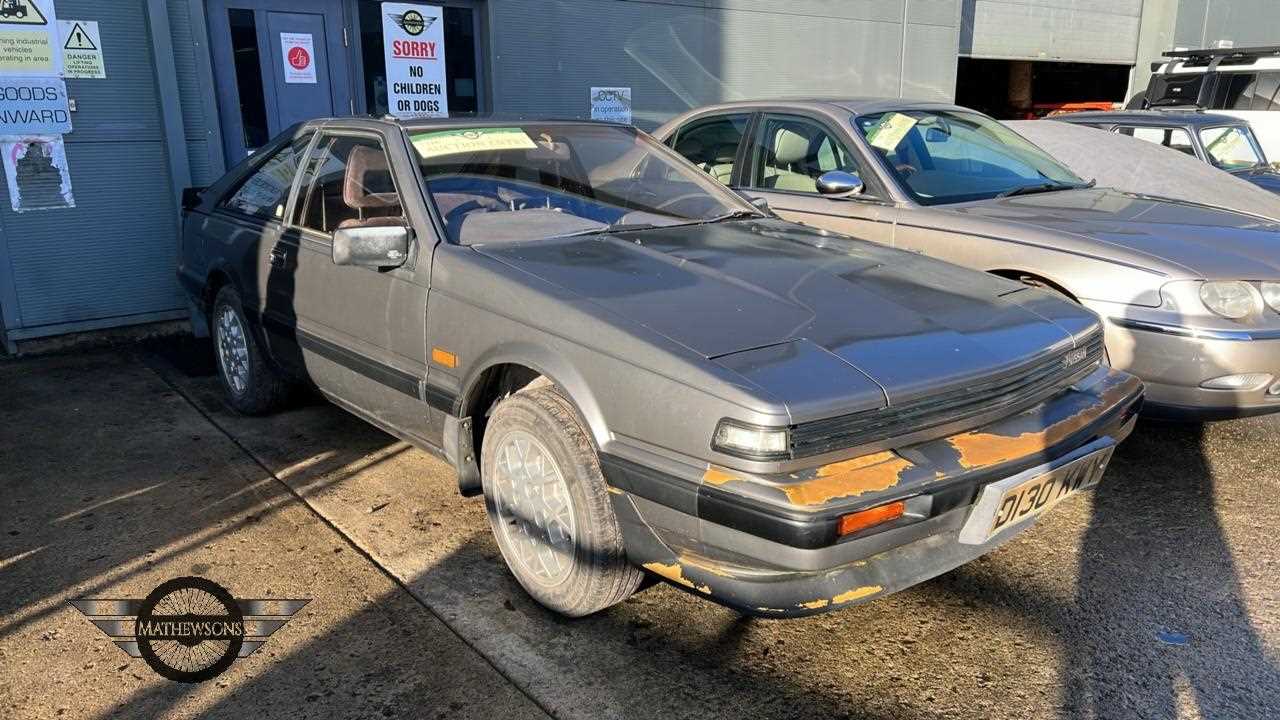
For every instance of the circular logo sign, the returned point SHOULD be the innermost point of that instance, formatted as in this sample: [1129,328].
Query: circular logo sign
[414,23]
[299,58]
[189,629]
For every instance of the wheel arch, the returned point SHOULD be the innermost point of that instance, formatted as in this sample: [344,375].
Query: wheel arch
[504,372]
[1033,278]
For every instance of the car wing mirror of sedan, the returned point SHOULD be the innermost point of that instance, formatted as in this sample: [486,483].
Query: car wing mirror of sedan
[379,246]
[838,184]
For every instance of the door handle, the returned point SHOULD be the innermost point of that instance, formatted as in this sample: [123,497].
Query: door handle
[277,257]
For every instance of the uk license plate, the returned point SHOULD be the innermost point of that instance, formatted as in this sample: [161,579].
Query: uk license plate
[1015,501]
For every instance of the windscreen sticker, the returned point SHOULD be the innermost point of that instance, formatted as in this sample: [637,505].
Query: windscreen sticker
[887,133]
[451,142]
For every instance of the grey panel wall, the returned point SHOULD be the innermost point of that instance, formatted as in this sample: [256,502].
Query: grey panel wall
[1066,30]
[113,254]
[200,120]
[1203,23]
[546,55]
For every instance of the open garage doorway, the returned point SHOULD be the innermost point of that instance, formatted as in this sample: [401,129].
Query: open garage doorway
[1024,89]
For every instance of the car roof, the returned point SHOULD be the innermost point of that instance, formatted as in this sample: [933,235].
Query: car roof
[1152,117]
[855,105]
[468,121]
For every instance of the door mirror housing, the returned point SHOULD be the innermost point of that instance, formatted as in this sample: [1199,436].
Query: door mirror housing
[838,184]
[761,204]
[378,247]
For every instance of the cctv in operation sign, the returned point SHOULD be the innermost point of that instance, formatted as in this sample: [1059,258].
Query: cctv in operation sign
[413,37]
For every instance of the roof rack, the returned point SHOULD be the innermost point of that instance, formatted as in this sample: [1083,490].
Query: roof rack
[1224,52]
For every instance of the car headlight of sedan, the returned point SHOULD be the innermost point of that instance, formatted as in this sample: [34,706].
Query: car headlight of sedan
[1232,299]
[751,442]
[1271,295]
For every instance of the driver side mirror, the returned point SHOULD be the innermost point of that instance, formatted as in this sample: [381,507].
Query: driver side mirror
[378,247]
[838,184]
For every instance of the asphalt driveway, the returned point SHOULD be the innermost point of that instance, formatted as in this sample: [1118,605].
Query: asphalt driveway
[1156,598]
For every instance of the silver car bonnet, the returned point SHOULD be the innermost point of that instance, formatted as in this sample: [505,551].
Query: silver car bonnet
[1211,243]
[909,323]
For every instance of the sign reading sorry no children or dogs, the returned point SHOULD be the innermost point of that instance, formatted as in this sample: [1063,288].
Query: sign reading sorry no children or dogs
[413,36]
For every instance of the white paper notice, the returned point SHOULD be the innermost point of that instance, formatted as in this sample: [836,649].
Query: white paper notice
[82,49]
[611,104]
[413,36]
[299,52]
[38,175]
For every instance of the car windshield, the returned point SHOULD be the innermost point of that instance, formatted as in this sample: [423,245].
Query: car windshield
[1231,148]
[949,156]
[533,181]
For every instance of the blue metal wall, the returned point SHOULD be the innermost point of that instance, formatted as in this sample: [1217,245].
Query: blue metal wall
[110,260]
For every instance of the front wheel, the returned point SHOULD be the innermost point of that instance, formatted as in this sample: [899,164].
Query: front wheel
[252,385]
[549,506]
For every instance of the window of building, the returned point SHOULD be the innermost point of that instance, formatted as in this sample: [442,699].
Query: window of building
[349,184]
[248,68]
[1266,95]
[712,144]
[266,191]
[460,47]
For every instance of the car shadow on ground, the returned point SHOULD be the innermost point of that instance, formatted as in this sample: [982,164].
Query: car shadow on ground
[1172,637]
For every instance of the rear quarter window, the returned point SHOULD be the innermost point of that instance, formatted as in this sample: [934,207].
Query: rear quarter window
[265,191]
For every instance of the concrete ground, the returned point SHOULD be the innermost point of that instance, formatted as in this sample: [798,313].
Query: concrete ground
[1157,598]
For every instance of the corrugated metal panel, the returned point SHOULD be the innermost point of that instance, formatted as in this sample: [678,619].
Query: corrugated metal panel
[547,55]
[1243,22]
[1067,30]
[191,92]
[112,255]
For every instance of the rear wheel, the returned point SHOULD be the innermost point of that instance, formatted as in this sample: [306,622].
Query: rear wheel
[252,385]
[549,507]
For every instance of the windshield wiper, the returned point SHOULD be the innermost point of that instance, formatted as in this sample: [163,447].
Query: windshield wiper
[732,215]
[1045,187]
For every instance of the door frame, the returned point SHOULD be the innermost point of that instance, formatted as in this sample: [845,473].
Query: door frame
[480,22]
[226,89]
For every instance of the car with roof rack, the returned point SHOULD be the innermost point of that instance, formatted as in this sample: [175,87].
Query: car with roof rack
[1189,294]
[641,371]
[1241,82]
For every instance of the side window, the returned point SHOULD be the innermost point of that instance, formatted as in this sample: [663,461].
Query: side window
[1266,95]
[1234,91]
[794,151]
[265,192]
[349,184]
[1175,138]
[712,144]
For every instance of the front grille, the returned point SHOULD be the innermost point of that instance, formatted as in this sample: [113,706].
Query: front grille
[1023,386]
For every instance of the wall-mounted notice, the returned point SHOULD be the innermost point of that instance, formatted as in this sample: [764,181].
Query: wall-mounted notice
[28,38]
[299,55]
[82,50]
[611,104]
[413,36]
[39,178]
[34,106]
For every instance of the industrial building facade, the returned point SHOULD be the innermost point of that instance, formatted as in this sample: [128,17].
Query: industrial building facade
[192,87]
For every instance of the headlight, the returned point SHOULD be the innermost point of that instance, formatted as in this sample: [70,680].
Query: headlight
[1271,294]
[1231,299]
[751,441]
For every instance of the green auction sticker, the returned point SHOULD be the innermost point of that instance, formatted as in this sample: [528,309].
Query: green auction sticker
[451,142]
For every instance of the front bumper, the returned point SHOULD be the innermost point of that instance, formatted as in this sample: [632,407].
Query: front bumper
[766,545]
[1175,361]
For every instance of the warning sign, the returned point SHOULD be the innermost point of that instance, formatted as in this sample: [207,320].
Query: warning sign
[82,49]
[28,38]
[413,37]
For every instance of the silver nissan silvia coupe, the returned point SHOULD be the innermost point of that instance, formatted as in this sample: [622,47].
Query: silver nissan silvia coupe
[1189,294]
[640,370]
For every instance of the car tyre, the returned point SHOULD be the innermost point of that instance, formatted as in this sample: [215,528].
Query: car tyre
[549,506]
[253,386]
